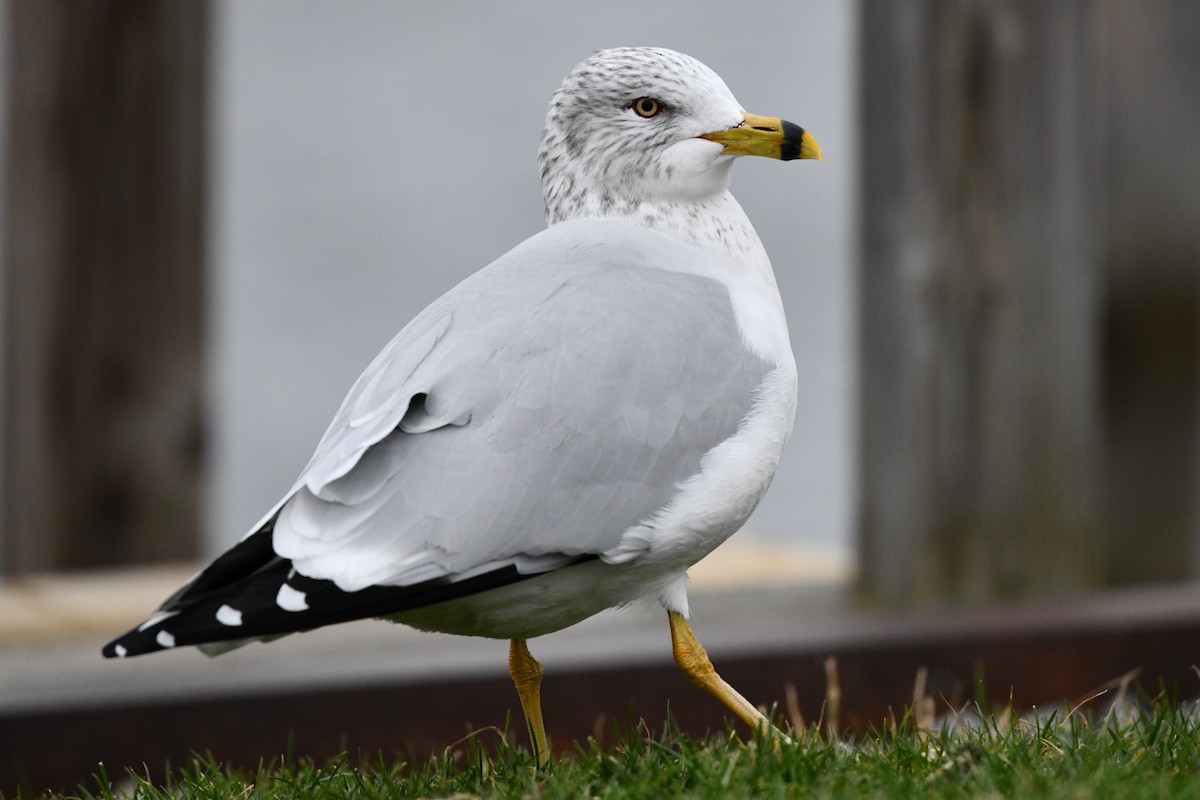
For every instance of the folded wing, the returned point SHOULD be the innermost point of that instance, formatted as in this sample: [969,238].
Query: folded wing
[523,422]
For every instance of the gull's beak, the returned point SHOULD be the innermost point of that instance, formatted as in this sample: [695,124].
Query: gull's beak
[767,136]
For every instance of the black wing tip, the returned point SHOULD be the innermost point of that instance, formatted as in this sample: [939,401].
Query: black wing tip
[250,608]
[124,648]
[138,642]
[116,649]
[235,567]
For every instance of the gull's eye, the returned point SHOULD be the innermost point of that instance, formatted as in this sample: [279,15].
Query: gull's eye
[647,107]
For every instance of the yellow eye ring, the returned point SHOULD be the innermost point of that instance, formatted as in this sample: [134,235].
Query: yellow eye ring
[647,107]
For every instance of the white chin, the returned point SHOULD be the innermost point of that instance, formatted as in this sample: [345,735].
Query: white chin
[698,169]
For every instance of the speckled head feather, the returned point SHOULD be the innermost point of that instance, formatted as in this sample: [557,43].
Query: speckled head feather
[598,158]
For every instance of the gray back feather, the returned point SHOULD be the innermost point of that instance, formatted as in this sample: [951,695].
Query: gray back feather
[543,406]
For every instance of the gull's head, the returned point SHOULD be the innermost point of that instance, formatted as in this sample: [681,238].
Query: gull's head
[638,126]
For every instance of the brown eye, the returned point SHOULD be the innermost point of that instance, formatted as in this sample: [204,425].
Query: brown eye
[647,107]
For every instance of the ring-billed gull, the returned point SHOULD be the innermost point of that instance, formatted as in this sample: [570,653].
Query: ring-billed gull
[567,430]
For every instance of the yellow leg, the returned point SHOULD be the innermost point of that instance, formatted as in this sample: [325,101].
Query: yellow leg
[527,676]
[693,660]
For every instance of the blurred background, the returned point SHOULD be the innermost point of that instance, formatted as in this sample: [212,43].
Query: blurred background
[217,212]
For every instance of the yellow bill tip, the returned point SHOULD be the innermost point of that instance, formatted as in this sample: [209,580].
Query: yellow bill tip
[809,147]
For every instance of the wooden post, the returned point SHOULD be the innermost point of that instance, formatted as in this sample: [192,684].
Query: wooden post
[980,280]
[1151,325]
[103,270]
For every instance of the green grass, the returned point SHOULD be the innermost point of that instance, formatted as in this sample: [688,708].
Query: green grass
[1148,755]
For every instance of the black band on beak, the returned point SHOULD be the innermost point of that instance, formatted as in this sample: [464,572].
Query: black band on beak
[793,136]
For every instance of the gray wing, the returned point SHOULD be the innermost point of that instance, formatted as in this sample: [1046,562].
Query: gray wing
[534,413]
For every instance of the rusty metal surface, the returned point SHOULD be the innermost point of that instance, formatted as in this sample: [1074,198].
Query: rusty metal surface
[1034,657]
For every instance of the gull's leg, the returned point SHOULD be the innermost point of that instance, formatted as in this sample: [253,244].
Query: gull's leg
[693,660]
[527,676]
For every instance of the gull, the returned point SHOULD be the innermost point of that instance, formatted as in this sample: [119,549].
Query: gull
[567,430]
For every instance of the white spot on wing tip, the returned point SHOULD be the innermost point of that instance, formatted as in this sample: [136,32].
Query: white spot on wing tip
[290,599]
[165,639]
[228,615]
[120,651]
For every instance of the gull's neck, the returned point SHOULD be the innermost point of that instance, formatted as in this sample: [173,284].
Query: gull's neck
[715,223]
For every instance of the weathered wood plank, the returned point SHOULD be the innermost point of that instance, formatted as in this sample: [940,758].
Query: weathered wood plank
[980,279]
[104,289]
